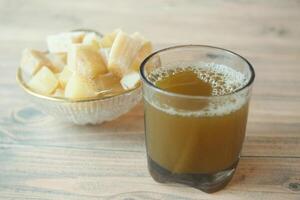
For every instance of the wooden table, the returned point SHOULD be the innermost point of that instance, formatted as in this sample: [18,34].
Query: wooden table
[41,158]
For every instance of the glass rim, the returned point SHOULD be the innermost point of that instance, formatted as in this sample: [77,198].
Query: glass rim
[149,83]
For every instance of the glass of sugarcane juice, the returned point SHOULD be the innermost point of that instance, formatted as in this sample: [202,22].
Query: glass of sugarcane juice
[196,106]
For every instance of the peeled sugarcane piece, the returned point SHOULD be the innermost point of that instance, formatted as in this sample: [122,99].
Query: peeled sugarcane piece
[92,38]
[79,87]
[108,39]
[61,42]
[130,80]
[58,61]
[43,82]
[145,51]
[123,51]
[33,60]
[86,61]
[105,54]
[64,76]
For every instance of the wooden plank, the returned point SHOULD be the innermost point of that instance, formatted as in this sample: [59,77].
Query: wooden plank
[26,125]
[67,171]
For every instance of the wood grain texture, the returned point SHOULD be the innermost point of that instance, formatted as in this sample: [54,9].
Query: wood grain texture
[41,158]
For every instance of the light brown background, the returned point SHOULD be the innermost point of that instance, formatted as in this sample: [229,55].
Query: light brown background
[41,158]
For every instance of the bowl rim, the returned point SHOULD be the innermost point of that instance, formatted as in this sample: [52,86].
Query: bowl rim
[24,86]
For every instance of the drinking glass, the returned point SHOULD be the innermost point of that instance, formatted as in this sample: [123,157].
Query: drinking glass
[195,140]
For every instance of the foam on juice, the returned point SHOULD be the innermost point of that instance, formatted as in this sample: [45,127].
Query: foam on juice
[223,80]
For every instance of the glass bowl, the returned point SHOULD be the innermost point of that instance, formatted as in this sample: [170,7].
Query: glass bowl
[87,111]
